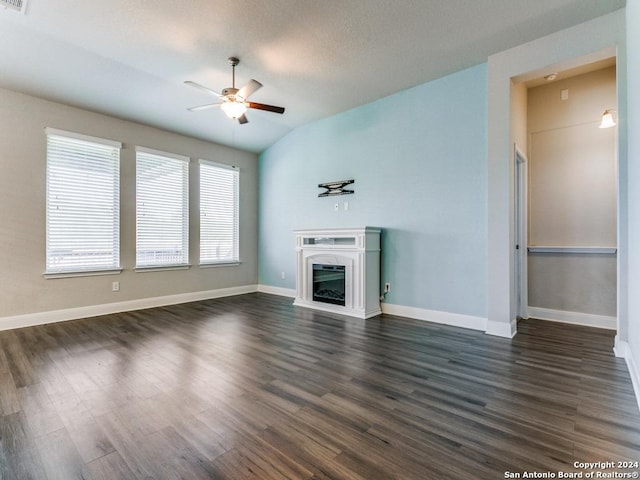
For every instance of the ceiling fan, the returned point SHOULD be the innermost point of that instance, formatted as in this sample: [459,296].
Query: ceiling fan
[234,101]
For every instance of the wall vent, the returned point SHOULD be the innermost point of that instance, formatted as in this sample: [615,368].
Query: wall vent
[16,5]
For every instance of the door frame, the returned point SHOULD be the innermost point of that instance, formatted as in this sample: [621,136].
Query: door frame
[521,236]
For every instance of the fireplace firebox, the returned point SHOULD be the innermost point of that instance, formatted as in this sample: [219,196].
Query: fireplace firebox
[338,270]
[328,284]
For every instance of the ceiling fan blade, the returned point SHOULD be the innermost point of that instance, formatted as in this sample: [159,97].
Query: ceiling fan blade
[249,89]
[203,88]
[242,119]
[262,106]
[203,107]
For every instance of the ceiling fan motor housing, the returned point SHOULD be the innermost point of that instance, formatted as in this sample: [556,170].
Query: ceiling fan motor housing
[230,92]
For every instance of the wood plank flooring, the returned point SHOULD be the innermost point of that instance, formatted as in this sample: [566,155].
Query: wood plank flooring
[250,387]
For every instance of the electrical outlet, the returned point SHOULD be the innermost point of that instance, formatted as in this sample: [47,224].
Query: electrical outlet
[115,286]
[282,275]
[336,207]
[387,287]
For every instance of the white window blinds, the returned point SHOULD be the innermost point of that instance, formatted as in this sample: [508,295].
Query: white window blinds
[83,203]
[162,212]
[218,213]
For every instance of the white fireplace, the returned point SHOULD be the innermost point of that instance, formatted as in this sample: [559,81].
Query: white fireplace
[338,270]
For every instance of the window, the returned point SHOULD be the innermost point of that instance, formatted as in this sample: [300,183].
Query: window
[162,212]
[218,213]
[83,204]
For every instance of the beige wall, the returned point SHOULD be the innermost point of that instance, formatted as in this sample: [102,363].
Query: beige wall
[572,194]
[24,290]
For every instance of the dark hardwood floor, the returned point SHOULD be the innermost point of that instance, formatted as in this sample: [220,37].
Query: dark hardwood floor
[250,387]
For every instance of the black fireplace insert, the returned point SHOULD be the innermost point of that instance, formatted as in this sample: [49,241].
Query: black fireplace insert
[329,284]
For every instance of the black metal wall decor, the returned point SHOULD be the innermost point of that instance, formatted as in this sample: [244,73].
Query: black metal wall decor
[335,188]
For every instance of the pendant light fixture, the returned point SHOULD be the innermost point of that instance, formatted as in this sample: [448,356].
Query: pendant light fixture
[607,119]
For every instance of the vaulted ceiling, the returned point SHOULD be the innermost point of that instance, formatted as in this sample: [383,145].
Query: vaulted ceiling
[316,58]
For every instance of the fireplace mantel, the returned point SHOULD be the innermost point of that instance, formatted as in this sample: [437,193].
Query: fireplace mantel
[355,249]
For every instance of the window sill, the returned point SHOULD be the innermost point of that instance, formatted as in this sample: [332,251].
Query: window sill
[87,273]
[160,268]
[220,264]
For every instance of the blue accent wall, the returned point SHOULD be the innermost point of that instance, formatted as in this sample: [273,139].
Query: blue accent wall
[419,160]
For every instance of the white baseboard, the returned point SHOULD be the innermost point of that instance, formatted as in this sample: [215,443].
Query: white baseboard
[436,316]
[283,292]
[576,318]
[623,350]
[620,347]
[502,329]
[41,318]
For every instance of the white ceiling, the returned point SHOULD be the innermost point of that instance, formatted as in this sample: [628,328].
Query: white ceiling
[316,58]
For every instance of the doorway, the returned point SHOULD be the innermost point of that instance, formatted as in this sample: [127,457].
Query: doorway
[568,183]
[565,49]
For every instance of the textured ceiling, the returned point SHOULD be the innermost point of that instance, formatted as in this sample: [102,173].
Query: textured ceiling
[130,58]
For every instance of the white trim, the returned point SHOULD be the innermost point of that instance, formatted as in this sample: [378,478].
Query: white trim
[362,313]
[521,197]
[82,137]
[161,153]
[220,264]
[435,316]
[551,249]
[81,273]
[336,231]
[576,318]
[283,292]
[502,329]
[622,350]
[218,165]
[160,268]
[41,318]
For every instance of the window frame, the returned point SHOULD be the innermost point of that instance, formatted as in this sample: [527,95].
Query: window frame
[57,135]
[234,259]
[141,153]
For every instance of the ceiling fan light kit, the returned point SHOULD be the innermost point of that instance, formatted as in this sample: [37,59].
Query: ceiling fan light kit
[234,109]
[234,101]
